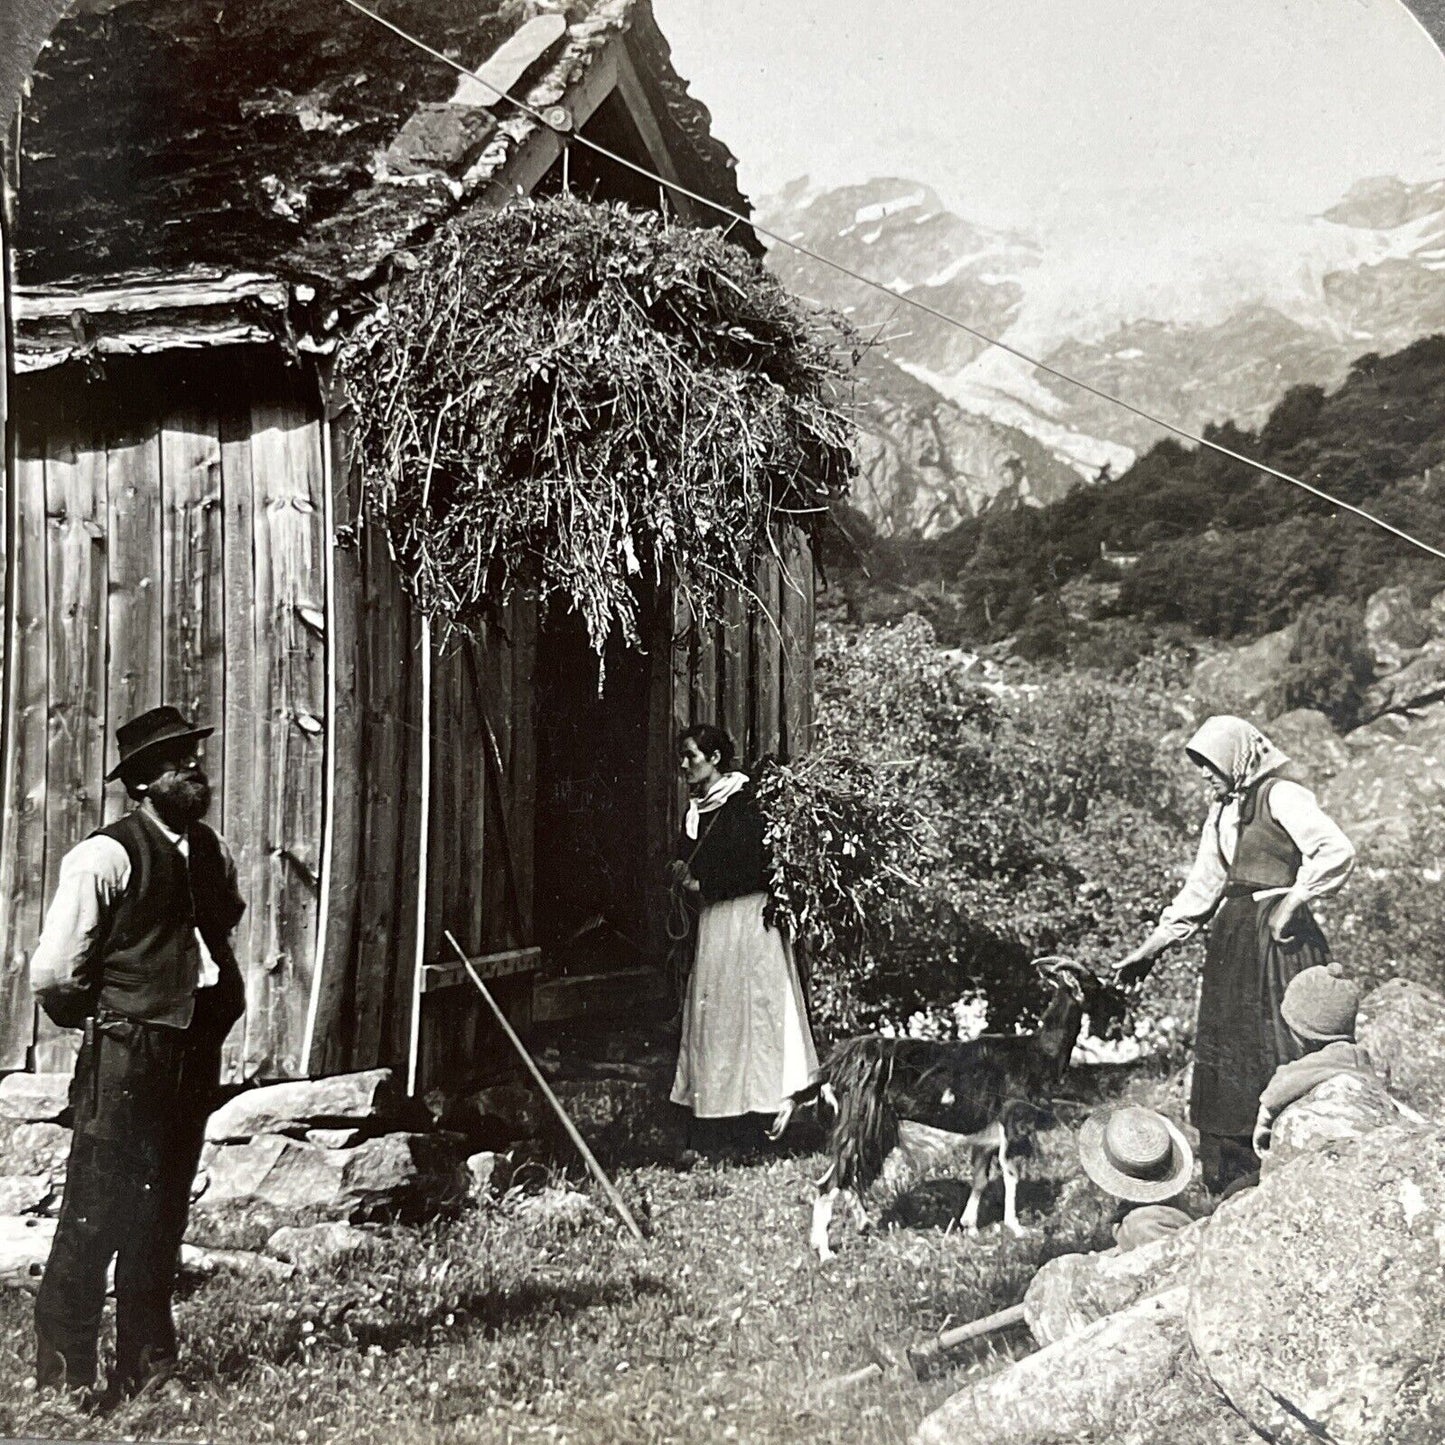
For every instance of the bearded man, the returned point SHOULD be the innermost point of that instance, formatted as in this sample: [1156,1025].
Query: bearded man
[136,951]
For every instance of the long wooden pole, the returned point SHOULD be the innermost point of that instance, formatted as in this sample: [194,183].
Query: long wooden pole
[921,1355]
[588,1158]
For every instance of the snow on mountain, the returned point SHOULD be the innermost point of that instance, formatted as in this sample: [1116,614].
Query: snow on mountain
[1215,327]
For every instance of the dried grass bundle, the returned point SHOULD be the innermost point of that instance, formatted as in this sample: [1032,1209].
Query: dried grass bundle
[583,398]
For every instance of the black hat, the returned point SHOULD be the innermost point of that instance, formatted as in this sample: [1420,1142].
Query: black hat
[150,730]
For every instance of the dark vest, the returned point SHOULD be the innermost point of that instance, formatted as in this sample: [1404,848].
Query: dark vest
[149,961]
[1265,855]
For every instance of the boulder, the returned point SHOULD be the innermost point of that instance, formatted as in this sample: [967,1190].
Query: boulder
[1242,680]
[1344,1107]
[1316,750]
[202,1264]
[1390,728]
[1317,1300]
[26,1193]
[35,1098]
[370,1098]
[1415,683]
[319,1246]
[396,1173]
[24,1249]
[1394,628]
[1392,783]
[1087,1386]
[334,1138]
[1402,1024]
[28,1150]
[1435,614]
[1072,1292]
[622,1120]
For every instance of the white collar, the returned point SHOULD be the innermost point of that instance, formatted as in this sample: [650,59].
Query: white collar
[712,800]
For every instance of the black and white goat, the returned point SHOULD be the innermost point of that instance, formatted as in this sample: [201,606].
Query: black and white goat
[985,1092]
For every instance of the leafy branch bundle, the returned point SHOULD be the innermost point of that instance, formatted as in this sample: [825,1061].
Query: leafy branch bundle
[583,398]
[846,850]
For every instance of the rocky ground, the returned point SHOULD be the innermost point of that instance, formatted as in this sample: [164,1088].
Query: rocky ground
[522,1311]
[529,1314]
[1381,779]
[1311,1307]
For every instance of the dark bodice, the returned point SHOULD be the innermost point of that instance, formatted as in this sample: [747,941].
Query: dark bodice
[730,859]
[1265,856]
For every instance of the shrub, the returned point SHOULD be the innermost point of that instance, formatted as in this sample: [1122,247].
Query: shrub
[1054,826]
[844,847]
[1330,664]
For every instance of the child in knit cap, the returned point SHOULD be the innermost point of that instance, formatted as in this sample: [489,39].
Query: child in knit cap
[1319,1008]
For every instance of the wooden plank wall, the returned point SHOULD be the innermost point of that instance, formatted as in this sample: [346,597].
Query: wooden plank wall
[22,866]
[154,508]
[286,470]
[482,835]
[364,994]
[749,672]
[170,542]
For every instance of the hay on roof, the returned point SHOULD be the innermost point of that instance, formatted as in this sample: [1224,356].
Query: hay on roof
[585,399]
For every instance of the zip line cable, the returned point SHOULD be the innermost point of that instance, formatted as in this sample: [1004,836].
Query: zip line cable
[838,266]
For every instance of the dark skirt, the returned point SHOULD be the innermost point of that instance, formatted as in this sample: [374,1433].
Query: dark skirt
[1241,1037]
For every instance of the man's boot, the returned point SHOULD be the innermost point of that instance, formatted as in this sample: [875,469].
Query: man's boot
[54,1371]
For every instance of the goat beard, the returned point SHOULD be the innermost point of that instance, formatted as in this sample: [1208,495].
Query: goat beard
[181,801]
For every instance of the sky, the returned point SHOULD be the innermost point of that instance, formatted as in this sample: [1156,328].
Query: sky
[1069,118]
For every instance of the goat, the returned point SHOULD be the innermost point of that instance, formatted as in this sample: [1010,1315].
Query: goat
[984,1092]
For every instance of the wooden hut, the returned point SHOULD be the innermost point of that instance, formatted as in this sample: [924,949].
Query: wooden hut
[207,195]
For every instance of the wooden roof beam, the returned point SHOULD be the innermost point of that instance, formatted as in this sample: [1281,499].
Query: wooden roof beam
[630,88]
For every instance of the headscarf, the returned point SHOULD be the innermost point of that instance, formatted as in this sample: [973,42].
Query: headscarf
[725,786]
[1237,749]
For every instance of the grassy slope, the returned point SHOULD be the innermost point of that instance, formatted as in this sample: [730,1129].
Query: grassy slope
[498,1328]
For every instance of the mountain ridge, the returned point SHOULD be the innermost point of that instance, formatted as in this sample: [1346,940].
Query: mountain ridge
[1368,275]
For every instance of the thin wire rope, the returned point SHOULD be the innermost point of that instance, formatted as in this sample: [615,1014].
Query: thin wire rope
[738,218]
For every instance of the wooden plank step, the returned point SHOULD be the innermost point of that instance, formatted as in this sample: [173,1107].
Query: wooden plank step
[488,965]
[595,995]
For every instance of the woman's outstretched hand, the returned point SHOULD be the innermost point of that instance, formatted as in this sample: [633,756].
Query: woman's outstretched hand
[1132,971]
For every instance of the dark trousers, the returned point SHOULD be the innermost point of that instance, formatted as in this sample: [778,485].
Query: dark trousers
[1226,1160]
[141,1097]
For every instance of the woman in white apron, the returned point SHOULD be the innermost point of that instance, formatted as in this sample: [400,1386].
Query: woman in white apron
[745,1045]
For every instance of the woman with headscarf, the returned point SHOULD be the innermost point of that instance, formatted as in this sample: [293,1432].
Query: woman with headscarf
[1266,853]
[745,1043]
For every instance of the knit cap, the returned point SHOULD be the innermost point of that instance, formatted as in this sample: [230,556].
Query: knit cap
[1320,1004]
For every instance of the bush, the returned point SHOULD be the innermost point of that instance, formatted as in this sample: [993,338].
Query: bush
[1054,825]
[1387,922]
[1330,664]
[844,847]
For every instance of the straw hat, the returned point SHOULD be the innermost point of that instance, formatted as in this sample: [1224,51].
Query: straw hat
[1135,1154]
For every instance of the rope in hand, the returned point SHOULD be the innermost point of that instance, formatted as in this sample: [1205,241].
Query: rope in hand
[679,922]
[738,218]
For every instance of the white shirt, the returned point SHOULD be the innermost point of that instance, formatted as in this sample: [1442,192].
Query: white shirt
[1327,857]
[93,875]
